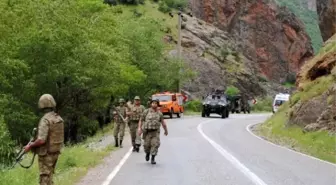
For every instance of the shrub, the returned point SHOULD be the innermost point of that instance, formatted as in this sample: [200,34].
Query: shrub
[194,106]
[264,104]
[232,91]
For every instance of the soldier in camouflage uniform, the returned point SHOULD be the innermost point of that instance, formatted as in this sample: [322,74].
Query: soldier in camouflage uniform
[149,125]
[119,124]
[136,111]
[50,138]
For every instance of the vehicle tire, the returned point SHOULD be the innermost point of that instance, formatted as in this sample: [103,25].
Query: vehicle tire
[248,111]
[171,113]
[208,114]
[232,111]
[178,115]
[223,114]
[237,111]
[203,114]
[227,113]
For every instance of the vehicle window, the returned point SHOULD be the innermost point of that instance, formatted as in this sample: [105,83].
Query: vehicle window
[279,102]
[162,97]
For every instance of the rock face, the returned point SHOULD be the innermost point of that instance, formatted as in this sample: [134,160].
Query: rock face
[326,10]
[311,5]
[273,38]
[215,56]
[317,80]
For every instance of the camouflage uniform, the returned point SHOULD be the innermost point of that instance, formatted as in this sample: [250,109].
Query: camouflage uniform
[133,124]
[50,130]
[119,124]
[151,130]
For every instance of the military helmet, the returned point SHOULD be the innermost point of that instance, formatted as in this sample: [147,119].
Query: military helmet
[136,98]
[157,101]
[121,100]
[46,101]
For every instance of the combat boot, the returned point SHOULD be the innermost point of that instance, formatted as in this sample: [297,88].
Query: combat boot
[153,159]
[137,148]
[121,143]
[147,156]
[116,141]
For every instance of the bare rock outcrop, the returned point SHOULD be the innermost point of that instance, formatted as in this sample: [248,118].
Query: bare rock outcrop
[272,37]
[326,10]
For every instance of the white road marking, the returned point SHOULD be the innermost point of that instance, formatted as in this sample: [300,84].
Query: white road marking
[117,168]
[249,130]
[235,162]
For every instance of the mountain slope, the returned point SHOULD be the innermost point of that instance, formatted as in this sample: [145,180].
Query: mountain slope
[308,121]
[274,38]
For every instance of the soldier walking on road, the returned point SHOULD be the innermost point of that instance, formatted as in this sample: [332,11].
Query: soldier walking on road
[135,113]
[149,125]
[119,124]
[50,138]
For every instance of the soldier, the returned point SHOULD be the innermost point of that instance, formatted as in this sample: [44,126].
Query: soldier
[119,124]
[50,138]
[149,125]
[135,113]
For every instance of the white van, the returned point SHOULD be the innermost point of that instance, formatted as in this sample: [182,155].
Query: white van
[279,100]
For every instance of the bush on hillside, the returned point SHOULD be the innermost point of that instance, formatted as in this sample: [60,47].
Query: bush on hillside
[232,91]
[193,106]
[167,5]
[263,105]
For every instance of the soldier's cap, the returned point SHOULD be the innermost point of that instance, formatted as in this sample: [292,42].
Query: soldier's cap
[136,98]
[121,100]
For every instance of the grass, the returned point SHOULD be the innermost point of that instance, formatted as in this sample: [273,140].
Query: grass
[73,163]
[318,144]
[150,9]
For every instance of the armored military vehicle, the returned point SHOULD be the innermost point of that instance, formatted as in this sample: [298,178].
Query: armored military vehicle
[216,102]
[239,103]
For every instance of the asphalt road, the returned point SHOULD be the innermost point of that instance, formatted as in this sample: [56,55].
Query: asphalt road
[213,151]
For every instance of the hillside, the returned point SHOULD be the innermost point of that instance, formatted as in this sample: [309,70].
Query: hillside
[306,11]
[308,122]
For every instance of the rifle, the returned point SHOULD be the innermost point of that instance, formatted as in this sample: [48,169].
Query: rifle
[114,108]
[22,152]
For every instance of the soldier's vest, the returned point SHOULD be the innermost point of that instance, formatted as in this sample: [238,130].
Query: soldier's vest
[55,139]
[137,112]
[152,120]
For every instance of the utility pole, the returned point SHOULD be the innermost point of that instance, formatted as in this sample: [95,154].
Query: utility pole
[179,49]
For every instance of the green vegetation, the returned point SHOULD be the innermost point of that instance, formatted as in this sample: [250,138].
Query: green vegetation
[308,17]
[232,91]
[81,52]
[193,106]
[167,5]
[263,105]
[73,163]
[319,144]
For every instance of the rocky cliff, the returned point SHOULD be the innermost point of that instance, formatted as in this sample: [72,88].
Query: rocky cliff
[219,62]
[271,38]
[314,105]
[327,17]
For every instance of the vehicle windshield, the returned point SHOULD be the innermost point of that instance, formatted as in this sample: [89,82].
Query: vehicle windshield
[216,97]
[279,102]
[162,98]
